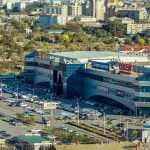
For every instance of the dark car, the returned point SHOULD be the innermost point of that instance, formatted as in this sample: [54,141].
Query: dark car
[120,125]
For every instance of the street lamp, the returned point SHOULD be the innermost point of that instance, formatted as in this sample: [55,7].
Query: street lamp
[1,88]
[136,109]
[78,112]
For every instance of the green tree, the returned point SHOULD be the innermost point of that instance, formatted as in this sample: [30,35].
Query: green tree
[28,46]
[147,41]
[65,38]
[29,119]
[26,119]
[16,23]
[134,134]
[74,27]
[136,38]
[128,41]
[141,41]
[116,28]
[20,117]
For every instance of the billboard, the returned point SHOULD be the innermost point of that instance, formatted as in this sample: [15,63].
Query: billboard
[100,65]
[49,105]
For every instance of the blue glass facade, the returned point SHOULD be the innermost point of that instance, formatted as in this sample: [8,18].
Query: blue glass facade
[72,68]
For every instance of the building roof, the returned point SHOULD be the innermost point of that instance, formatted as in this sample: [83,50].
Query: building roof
[85,56]
[33,139]
[55,31]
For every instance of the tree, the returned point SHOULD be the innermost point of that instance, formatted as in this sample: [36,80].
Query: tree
[20,117]
[26,119]
[29,119]
[134,134]
[28,46]
[128,41]
[16,23]
[141,41]
[74,27]
[147,41]
[66,38]
[116,28]
[109,123]
[136,38]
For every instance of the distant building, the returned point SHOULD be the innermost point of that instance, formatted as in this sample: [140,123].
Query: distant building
[100,10]
[32,142]
[112,3]
[54,14]
[15,6]
[95,9]
[1,3]
[87,19]
[56,9]
[19,6]
[123,81]
[111,6]
[134,11]
[134,28]
[146,133]
[75,9]
[48,20]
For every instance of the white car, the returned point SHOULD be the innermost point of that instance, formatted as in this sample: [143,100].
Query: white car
[39,111]
[10,100]
[24,96]
[30,108]
[36,102]
[23,105]
[35,97]
[35,131]
[41,102]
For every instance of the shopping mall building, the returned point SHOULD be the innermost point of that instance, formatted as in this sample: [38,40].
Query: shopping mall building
[120,78]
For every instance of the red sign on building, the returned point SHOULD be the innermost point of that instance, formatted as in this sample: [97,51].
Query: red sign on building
[125,67]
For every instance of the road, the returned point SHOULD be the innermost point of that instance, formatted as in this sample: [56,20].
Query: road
[21,128]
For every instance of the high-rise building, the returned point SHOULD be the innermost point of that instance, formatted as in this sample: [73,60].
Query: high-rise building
[111,3]
[76,8]
[94,8]
[111,7]
[87,8]
[100,9]
[1,3]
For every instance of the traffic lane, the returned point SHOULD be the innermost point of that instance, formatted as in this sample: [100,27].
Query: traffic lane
[13,111]
[13,130]
[73,102]
[7,110]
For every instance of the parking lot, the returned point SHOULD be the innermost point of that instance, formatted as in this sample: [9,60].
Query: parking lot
[21,98]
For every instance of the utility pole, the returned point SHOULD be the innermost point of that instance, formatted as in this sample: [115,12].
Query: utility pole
[78,112]
[127,126]
[17,90]
[120,121]
[33,91]
[104,121]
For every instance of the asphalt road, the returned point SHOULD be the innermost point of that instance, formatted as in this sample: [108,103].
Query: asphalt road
[21,128]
